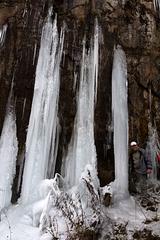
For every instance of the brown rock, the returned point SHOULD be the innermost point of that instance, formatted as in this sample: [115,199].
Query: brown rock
[8,12]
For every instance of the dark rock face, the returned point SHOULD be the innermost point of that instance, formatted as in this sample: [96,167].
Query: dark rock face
[134,25]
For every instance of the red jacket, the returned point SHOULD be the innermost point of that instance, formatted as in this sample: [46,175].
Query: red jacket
[158,157]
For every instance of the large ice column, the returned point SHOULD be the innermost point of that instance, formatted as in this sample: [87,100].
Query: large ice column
[40,144]
[8,154]
[81,149]
[3,30]
[120,121]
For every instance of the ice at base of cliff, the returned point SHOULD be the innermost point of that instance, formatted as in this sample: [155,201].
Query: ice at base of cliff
[82,150]
[120,122]
[22,221]
[8,155]
[19,219]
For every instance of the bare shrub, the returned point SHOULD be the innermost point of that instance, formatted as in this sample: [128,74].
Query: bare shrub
[81,222]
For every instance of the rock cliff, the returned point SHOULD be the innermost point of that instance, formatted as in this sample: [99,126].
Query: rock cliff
[135,25]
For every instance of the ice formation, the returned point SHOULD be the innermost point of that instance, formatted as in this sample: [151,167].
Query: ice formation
[3,30]
[80,206]
[156,5]
[120,121]
[8,154]
[153,150]
[81,150]
[40,144]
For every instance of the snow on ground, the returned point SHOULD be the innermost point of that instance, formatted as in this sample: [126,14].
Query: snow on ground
[22,221]
[15,225]
[126,210]
[137,213]
[121,220]
[57,211]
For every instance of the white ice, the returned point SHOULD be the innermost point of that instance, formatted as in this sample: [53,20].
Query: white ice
[81,149]
[8,154]
[40,144]
[76,203]
[22,221]
[153,150]
[156,5]
[3,31]
[120,122]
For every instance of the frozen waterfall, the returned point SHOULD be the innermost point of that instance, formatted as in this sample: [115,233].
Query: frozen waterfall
[81,149]
[8,154]
[120,122]
[40,145]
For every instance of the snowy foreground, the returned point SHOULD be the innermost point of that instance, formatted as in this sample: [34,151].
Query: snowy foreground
[137,217]
[80,213]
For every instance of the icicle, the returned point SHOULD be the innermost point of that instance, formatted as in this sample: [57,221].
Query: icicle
[95,56]
[24,105]
[156,5]
[54,151]
[41,134]
[8,154]
[82,147]
[153,149]
[75,81]
[120,122]
[3,31]
[34,54]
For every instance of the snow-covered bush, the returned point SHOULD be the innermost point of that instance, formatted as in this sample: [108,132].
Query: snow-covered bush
[74,214]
